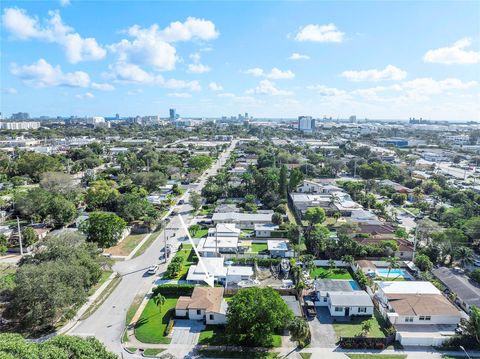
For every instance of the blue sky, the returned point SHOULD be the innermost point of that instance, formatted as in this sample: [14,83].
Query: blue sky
[270,59]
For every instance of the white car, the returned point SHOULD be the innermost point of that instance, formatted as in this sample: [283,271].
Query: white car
[476,262]
[153,269]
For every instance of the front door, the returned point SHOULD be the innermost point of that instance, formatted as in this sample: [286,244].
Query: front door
[347,311]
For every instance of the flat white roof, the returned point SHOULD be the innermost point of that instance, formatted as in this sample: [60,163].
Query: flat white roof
[217,242]
[408,287]
[280,245]
[240,270]
[214,267]
[357,298]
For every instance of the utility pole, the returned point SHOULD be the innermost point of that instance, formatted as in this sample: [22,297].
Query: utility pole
[19,237]
[415,240]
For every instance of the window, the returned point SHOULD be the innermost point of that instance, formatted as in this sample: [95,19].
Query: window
[339,309]
[212,317]
[409,319]
[325,299]
[199,311]
[425,317]
[362,309]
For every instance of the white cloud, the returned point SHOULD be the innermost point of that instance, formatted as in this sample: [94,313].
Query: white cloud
[87,95]
[130,73]
[180,94]
[320,33]
[297,56]
[102,86]
[327,91]
[146,48]
[198,68]
[456,54]
[182,85]
[390,72]
[266,87]
[274,74]
[426,85]
[215,87]
[65,3]
[126,72]
[226,94]
[191,29]
[42,74]
[25,27]
[10,91]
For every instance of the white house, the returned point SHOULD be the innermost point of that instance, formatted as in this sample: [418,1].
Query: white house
[222,274]
[279,248]
[315,187]
[205,304]
[421,315]
[342,297]
[265,230]
[243,220]
[221,239]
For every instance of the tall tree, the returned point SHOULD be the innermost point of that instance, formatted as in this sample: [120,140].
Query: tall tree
[255,314]
[103,228]
[195,200]
[299,331]
[282,182]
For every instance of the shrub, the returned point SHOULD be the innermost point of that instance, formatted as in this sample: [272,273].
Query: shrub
[174,289]
[169,327]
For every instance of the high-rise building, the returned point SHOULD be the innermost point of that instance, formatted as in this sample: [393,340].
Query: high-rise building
[24,125]
[306,123]
[173,114]
[20,116]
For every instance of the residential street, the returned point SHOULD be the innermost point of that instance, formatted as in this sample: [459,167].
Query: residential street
[108,322]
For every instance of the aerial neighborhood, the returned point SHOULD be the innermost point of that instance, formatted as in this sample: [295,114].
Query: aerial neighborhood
[264,236]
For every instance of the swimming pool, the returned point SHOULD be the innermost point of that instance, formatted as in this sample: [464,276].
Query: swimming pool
[394,273]
[354,285]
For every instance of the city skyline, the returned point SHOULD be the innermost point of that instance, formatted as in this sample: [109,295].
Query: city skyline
[375,60]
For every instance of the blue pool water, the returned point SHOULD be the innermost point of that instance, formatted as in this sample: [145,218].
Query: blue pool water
[354,285]
[394,273]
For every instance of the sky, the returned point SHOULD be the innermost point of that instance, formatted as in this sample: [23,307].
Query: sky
[376,60]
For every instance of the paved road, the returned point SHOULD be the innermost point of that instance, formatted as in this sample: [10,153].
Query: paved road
[108,322]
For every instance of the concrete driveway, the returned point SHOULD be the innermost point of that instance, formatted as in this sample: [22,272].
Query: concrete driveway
[186,332]
[321,329]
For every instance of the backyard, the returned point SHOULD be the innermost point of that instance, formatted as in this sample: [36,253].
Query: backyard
[330,273]
[354,327]
[197,231]
[153,321]
[259,247]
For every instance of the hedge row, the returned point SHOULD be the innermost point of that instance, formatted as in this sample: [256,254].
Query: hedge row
[262,262]
[174,289]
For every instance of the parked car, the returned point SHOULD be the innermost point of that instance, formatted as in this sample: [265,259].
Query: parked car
[153,269]
[181,201]
[476,262]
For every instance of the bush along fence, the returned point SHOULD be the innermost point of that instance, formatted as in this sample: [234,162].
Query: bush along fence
[366,343]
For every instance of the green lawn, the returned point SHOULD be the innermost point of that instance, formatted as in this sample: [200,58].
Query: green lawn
[259,247]
[188,256]
[7,276]
[354,327]
[153,352]
[133,308]
[213,335]
[377,356]
[103,278]
[327,273]
[397,279]
[199,233]
[153,321]
[306,355]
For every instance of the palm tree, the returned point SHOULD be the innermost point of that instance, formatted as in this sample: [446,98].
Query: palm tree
[337,216]
[299,331]
[393,263]
[159,300]
[331,263]
[464,255]
[366,327]
[348,259]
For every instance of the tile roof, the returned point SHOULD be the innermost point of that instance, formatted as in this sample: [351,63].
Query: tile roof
[208,299]
[421,304]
